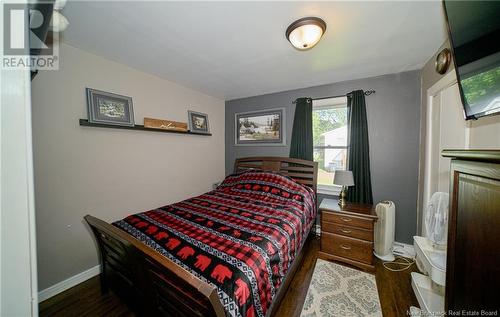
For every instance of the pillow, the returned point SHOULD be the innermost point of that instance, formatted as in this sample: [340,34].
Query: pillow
[270,184]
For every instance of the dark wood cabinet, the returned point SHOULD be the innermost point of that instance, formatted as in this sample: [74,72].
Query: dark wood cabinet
[473,259]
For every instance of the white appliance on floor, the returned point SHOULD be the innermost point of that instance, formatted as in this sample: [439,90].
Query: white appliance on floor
[384,230]
[431,257]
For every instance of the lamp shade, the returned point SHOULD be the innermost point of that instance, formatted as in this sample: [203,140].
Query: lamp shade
[343,178]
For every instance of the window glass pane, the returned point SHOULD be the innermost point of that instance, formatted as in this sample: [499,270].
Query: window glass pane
[329,160]
[330,129]
[330,126]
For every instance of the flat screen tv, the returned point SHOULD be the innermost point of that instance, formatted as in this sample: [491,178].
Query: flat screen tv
[474,31]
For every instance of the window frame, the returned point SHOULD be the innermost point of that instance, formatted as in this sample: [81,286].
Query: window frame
[335,102]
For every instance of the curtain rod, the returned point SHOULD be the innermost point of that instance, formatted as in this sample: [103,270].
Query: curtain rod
[367,93]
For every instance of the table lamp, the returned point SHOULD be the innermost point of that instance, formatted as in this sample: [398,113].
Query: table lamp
[344,179]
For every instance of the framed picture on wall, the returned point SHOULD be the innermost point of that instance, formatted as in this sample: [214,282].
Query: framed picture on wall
[266,127]
[198,122]
[108,108]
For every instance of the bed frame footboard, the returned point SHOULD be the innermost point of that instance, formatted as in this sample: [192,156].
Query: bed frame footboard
[152,284]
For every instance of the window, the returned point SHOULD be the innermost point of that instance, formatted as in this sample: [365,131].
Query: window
[330,141]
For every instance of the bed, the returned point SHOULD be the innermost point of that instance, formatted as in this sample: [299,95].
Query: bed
[229,252]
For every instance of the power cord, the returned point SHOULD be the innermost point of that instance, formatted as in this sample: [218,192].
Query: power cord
[399,264]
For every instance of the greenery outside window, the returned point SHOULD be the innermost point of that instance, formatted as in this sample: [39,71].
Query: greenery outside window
[330,141]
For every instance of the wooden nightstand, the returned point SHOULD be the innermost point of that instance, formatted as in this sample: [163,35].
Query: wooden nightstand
[347,233]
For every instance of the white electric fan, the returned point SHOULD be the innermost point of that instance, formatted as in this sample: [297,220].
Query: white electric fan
[431,257]
[431,249]
[436,220]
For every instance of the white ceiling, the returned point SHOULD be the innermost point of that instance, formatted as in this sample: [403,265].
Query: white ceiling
[238,49]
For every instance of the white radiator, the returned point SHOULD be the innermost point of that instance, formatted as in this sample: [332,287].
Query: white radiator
[384,230]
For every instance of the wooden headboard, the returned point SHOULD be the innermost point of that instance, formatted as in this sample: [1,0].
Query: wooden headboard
[302,171]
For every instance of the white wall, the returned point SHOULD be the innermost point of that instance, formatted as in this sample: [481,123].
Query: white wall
[485,133]
[110,173]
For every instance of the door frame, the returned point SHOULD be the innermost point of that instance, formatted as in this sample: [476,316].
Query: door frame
[445,82]
[18,260]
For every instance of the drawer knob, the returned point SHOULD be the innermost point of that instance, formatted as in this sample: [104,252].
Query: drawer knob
[345,247]
[345,231]
[346,219]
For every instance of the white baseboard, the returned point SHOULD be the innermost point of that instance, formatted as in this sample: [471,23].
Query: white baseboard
[68,283]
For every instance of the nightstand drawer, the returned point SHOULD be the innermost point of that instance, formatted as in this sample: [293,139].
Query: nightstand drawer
[347,220]
[363,234]
[345,247]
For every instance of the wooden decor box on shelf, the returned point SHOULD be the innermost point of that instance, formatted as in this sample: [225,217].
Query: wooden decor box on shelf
[347,233]
[165,124]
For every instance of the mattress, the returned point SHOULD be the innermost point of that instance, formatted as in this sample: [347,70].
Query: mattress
[242,237]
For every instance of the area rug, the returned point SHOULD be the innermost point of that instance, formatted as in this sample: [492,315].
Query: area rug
[336,290]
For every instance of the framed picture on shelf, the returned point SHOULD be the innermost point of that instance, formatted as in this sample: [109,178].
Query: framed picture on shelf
[108,108]
[266,127]
[198,122]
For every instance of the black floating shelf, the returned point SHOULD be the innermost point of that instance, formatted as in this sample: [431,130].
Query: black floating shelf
[86,123]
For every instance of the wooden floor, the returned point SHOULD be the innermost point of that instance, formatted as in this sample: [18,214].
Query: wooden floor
[394,288]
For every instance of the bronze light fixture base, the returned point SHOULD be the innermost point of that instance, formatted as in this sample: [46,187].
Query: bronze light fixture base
[342,198]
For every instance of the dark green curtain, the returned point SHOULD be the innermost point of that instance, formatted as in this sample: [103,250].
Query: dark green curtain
[301,146]
[359,150]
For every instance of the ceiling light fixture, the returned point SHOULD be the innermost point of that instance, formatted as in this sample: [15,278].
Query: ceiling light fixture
[304,33]
[58,23]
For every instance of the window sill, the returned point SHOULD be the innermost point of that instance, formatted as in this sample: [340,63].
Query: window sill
[330,190]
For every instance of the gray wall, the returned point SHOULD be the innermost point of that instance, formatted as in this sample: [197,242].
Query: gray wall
[394,128]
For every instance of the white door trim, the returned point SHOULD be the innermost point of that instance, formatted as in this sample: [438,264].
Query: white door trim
[18,261]
[447,81]
[17,196]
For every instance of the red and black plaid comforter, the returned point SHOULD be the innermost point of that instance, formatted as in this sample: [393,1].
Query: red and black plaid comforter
[241,237]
